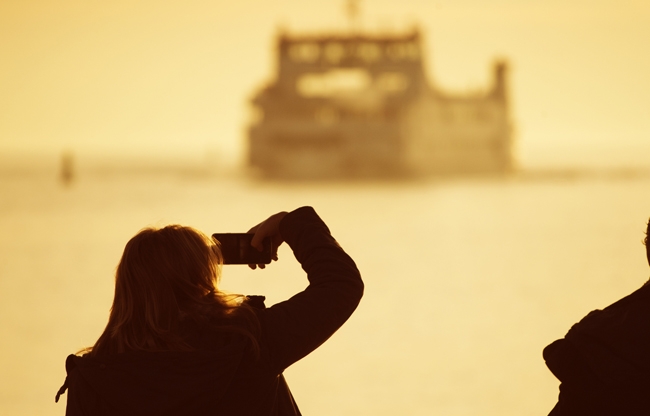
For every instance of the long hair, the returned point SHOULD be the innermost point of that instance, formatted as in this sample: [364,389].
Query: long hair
[168,276]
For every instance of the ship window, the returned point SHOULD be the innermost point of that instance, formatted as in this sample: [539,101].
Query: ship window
[334,52]
[304,52]
[403,51]
[333,82]
[369,52]
[412,50]
[392,82]
[396,51]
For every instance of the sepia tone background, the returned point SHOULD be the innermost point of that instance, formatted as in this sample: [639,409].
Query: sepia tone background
[171,78]
[467,278]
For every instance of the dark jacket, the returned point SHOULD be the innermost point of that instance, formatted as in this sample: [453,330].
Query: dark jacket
[224,377]
[603,362]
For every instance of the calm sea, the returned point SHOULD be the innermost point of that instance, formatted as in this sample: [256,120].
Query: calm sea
[466,280]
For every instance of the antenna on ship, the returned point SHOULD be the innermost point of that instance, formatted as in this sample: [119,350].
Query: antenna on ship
[352,11]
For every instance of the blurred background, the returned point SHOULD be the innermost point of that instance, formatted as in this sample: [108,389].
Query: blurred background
[123,114]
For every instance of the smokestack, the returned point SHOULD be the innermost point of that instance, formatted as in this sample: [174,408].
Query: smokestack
[500,73]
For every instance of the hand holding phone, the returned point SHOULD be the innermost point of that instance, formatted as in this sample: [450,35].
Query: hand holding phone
[236,248]
[269,228]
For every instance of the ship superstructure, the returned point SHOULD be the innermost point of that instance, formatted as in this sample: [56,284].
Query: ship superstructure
[359,105]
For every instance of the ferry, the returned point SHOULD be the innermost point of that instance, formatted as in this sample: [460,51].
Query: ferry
[345,105]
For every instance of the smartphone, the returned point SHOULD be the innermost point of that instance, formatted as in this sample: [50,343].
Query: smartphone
[236,249]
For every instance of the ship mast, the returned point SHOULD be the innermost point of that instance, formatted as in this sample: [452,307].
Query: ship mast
[352,11]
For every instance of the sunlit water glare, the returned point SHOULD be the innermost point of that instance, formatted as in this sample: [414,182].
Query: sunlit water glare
[466,280]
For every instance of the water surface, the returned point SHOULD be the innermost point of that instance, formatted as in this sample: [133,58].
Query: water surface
[466,280]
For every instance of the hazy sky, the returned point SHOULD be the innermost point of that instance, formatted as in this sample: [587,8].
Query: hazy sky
[173,77]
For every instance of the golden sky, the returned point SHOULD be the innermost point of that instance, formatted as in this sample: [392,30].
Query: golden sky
[173,77]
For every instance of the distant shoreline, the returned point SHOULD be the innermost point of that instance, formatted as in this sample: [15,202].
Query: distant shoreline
[48,166]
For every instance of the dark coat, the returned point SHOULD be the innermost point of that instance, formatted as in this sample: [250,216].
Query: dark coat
[603,362]
[224,377]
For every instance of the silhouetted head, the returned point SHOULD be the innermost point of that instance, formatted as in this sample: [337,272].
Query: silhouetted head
[167,271]
[165,276]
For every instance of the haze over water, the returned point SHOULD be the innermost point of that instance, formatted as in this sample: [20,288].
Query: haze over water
[467,279]
[173,78]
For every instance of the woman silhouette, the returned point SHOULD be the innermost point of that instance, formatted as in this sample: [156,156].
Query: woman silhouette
[175,345]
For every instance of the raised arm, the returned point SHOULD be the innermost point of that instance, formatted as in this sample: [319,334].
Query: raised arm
[295,327]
